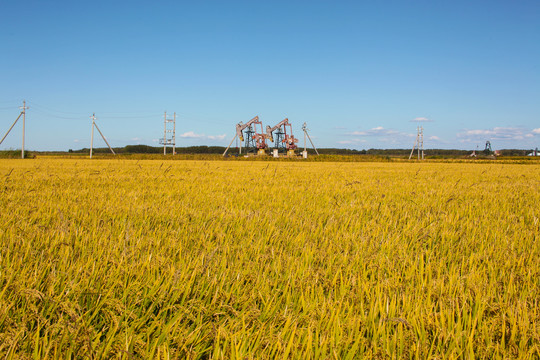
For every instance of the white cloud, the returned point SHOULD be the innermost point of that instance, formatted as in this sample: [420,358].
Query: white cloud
[358,133]
[478,132]
[76,140]
[351,142]
[136,139]
[390,137]
[191,135]
[536,131]
[421,119]
[194,135]
[496,133]
[376,131]
[434,138]
[216,137]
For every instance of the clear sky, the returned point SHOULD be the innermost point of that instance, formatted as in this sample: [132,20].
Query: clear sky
[358,72]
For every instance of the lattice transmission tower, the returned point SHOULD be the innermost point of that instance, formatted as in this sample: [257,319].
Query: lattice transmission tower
[169,134]
[419,143]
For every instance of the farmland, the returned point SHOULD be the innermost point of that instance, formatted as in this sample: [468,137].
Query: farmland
[240,259]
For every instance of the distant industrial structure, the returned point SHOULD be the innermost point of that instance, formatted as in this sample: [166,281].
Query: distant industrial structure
[283,140]
[419,143]
[487,152]
[256,141]
[169,134]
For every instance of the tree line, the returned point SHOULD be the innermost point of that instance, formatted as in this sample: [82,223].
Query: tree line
[203,149]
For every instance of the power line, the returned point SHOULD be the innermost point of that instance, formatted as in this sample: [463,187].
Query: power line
[10,101]
[66,115]
[46,108]
[130,117]
[58,116]
[80,116]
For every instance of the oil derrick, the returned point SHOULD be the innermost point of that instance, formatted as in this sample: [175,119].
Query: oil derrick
[487,150]
[250,144]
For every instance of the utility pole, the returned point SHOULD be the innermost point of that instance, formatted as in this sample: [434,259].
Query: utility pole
[12,125]
[94,125]
[171,140]
[174,136]
[305,129]
[419,143]
[93,117]
[422,141]
[24,107]
[165,134]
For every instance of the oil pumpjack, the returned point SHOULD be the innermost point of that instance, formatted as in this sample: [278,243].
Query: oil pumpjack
[282,137]
[252,135]
[256,138]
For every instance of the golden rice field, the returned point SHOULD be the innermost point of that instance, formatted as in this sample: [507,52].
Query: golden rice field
[157,259]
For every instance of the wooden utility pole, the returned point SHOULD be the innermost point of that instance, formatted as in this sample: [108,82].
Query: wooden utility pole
[93,117]
[94,125]
[24,107]
[12,125]
[305,129]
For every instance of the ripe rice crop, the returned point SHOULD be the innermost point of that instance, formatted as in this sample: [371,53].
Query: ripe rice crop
[159,259]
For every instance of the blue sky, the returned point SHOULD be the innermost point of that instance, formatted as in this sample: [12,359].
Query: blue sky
[358,72]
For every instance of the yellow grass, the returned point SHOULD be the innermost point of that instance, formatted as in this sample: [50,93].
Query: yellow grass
[234,260]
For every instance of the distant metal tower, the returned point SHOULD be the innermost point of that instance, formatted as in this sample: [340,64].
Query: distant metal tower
[487,150]
[250,140]
[250,144]
[280,137]
[171,139]
[419,143]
